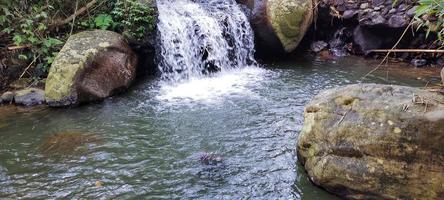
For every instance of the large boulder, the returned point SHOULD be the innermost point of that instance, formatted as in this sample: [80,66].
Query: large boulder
[373,141]
[91,66]
[280,24]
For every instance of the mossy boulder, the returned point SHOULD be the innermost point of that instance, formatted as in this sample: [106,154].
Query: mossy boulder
[91,66]
[371,141]
[442,76]
[280,24]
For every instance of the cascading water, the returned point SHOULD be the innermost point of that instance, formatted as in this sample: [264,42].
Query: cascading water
[198,37]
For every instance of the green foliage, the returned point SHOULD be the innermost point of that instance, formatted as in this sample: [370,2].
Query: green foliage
[133,18]
[29,24]
[430,14]
[104,21]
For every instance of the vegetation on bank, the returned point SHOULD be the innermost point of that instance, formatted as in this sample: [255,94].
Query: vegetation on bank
[430,14]
[33,31]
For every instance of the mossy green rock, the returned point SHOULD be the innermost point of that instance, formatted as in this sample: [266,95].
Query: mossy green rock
[280,25]
[371,141]
[290,20]
[91,66]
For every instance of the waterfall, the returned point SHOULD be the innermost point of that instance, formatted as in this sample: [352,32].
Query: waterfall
[199,37]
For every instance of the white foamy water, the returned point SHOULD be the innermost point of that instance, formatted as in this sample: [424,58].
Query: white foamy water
[236,82]
[202,37]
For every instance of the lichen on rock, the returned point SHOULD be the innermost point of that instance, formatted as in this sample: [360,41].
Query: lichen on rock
[91,66]
[371,141]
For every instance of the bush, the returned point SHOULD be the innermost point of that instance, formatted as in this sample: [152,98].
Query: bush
[430,14]
[41,27]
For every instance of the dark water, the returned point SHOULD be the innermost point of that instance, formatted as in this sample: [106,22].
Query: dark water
[152,137]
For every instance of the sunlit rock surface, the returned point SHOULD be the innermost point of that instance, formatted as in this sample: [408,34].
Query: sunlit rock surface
[91,66]
[374,141]
[280,24]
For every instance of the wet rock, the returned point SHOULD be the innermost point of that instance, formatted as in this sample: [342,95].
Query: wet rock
[7,97]
[418,62]
[29,97]
[281,24]
[371,141]
[366,40]
[318,46]
[210,159]
[398,21]
[91,66]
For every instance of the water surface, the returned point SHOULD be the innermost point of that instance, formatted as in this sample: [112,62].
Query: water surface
[151,138]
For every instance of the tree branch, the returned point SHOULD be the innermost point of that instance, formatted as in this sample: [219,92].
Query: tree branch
[73,16]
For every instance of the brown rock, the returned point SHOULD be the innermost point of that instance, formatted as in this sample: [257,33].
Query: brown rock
[371,141]
[91,66]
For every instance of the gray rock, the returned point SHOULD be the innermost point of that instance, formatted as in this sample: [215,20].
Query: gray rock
[418,62]
[411,12]
[403,7]
[371,141]
[392,11]
[397,21]
[7,97]
[377,19]
[29,97]
[348,14]
[378,8]
[377,2]
[318,46]
[364,6]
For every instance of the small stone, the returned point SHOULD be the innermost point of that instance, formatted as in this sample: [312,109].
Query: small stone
[99,184]
[30,97]
[378,20]
[364,6]
[377,8]
[419,62]
[397,21]
[377,2]
[7,97]
[403,7]
[392,11]
[318,46]
[348,14]
[411,12]
[397,130]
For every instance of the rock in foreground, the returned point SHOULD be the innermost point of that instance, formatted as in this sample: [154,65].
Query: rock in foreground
[91,66]
[374,141]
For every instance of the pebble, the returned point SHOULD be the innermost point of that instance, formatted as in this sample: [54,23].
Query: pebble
[392,11]
[348,14]
[397,21]
[364,6]
[419,62]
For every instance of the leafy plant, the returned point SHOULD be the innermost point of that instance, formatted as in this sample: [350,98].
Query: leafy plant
[104,21]
[430,14]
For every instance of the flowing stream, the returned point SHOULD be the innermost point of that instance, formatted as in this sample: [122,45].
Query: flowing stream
[147,143]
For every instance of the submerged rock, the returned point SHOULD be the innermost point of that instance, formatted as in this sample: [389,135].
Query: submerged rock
[91,66]
[371,141]
[210,159]
[68,143]
[318,46]
[281,24]
[29,97]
